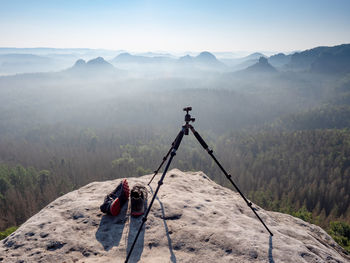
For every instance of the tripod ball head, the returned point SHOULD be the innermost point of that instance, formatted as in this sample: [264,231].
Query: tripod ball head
[188,116]
[187,109]
[188,119]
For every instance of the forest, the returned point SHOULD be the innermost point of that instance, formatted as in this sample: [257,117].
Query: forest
[284,137]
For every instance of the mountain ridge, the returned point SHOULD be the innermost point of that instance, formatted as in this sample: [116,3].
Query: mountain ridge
[204,60]
[322,59]
[261,67]
[139,59]
[319,60]
[97,65]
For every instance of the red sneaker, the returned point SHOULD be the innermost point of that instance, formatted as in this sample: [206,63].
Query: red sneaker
[120,196]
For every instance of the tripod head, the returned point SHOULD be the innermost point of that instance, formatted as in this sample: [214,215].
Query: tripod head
[188,119]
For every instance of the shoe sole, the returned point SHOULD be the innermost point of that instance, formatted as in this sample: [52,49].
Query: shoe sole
[137,214]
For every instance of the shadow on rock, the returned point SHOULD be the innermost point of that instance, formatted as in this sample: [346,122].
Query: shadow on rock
[172,255]
[111,228]
[270,251]
[135,223]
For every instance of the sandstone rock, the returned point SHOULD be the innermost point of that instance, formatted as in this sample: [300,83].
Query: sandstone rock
[192,220]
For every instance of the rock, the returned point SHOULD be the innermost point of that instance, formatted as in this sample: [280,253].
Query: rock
[192,220]
[53,245]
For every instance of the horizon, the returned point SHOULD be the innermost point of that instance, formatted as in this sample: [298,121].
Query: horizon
[184,26]
[233,53]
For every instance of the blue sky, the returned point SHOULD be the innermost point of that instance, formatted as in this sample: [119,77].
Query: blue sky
[178,25]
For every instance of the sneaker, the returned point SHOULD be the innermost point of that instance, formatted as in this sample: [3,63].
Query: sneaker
[138,198]
[120,195]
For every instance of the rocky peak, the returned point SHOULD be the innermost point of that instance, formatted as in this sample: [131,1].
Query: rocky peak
[192,219]
[261,67]
[97,61]
[79,63]
[206,56]
[263,60]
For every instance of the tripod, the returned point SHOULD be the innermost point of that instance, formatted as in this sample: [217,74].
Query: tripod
[172,152]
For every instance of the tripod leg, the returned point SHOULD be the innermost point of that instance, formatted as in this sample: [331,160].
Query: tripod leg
[228,176]
[164,159]
[144,219]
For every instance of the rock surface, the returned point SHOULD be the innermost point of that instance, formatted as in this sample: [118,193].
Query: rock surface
[192,220]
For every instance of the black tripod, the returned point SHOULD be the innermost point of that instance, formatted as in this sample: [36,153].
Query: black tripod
[172,152]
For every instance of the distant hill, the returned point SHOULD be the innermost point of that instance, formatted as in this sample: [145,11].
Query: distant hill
[255,55]
[80,52]
[321,60]
[96,65]
[41,50]
[186,59]
[206,57]
[22,58]
[156,54]
[279,60]
[262,66]
[127,58]
[99,62]
[25,63]
[243,62]
[334,59]
[205,60]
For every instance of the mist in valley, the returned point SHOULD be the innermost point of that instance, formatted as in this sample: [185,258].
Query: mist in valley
[152,94]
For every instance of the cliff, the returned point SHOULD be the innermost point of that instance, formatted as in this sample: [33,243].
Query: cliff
[192,220]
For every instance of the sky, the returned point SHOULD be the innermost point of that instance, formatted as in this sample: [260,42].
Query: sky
[178,25]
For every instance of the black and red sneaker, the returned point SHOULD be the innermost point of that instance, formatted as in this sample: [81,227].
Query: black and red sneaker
[116,199]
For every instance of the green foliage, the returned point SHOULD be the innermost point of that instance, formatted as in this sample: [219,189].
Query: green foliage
[295,172]
[303,214]
[7,232]
[325,117]
[124,165]
[340,231]
[4,184]
[24,191]
[298,172]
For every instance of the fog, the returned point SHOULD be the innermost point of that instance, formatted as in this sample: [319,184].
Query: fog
[102,96]
[147,92]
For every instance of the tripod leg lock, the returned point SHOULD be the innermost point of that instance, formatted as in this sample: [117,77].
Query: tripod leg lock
[209,151]
[144,219]
[228,176]
[160,183]
[249,204]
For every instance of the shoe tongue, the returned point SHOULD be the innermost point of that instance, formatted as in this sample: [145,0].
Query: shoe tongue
[135,194]
[138,191]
